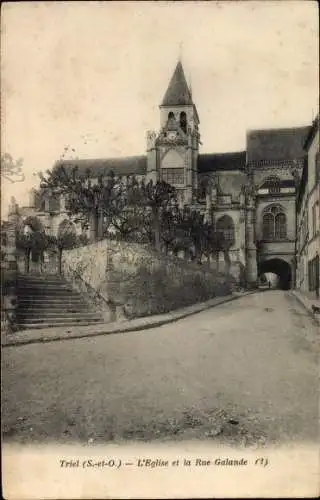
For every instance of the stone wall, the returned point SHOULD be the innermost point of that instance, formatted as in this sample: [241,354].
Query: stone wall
[140,281]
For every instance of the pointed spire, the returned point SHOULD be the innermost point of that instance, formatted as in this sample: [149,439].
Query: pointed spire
[178,92]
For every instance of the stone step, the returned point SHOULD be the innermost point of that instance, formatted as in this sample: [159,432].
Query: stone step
[55,310]
[48,279]
[40,276]
[48,301]
[64,318]
[43,286]
[37,318]
[36,326]
[65,292]
[51,296]
[41,283]
[43,279]
[39,286]
[43,302]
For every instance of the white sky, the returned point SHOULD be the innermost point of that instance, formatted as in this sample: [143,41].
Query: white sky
[91,75]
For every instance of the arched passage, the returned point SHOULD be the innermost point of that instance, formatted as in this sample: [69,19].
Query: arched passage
[279,267]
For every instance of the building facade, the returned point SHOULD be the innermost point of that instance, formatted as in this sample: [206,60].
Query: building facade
[308,217]
[250,194]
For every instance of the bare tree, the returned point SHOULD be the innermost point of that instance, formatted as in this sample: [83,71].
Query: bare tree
[11,170]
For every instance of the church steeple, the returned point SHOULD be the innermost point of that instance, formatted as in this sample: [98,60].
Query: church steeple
[178,92]
[173,153]
[178,102]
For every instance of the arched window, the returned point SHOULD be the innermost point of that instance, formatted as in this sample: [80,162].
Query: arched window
[170,115]
[183,121]
[225,226]
[274,223]
[273,184]
[268,226]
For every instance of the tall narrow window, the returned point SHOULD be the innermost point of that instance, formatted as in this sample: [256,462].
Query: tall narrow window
[268,226]
[274,223]
[280,229]
[183,121]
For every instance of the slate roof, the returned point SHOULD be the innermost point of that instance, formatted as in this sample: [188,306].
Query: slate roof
[137,165]
[276,144]
[178,92]
[120,166]
[263,145]
[221,161]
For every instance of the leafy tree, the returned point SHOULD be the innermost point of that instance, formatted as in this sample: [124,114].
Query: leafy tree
[11,170]
[184,229]
[88,199]
[127,211]
[157,198]
[144,212]
[188,232]
[169,227]
[66,239]
[32,241]
[131,207]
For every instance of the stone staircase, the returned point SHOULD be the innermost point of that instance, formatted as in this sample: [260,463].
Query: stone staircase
[46,301]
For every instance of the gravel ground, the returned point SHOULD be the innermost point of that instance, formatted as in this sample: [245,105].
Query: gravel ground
[244,373]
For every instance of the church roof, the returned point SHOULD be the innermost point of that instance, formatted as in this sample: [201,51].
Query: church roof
[137,165]
[120,166]
[178,92]
[221,161]
[272,144]
[276,144]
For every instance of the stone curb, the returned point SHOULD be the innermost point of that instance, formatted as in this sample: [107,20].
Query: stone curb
[305,306]
[128,326]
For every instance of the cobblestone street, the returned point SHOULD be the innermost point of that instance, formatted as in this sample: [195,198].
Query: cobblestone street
[243,373]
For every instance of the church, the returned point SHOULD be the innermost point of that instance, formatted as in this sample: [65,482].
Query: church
[251,194]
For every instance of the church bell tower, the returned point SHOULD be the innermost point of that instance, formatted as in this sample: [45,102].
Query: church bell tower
[173,153]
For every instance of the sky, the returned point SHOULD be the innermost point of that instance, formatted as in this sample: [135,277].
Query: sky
[90,75]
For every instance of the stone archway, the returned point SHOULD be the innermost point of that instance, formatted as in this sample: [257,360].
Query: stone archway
[279,267]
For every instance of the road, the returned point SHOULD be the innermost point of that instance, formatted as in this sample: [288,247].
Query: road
[245,372]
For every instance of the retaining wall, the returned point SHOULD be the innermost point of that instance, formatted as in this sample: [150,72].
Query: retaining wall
[142,282]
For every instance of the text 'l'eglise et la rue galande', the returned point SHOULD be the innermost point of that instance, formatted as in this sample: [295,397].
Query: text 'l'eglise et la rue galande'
[198,462]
